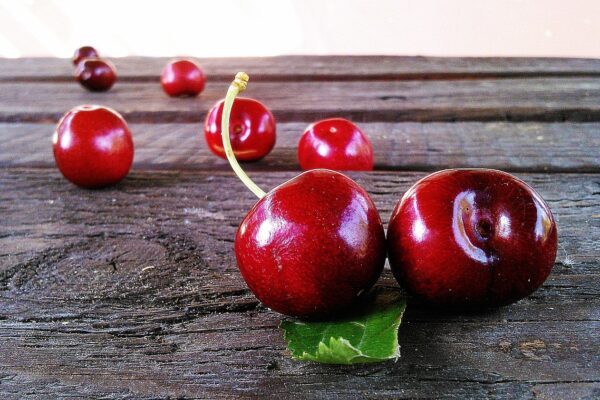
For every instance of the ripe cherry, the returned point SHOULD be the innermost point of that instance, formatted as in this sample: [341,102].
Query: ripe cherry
[92,146]
[252,130]
[83,53]
[310,246]
[337,144]
[472,238]
[95,74]
[182,78]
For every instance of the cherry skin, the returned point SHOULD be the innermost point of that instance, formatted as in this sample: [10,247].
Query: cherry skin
[83,53]
[92,146]
[336,144]
[251,131]
[182,78]
[472,238]
[312,245]
[95,74]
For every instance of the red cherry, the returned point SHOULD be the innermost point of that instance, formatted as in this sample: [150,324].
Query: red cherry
[311,245]
[95,74]
[336,144]
[251,131]
[83,53]
[182,78]
[92,146]
[471,237]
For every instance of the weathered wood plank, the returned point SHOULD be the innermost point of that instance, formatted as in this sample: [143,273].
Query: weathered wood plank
[237,355]
[549,147]
[540,99]
[317,68]
[133,292]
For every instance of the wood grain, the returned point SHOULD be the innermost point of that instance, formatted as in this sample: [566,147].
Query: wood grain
[535,99]
[133,292]
[316,68]
[543,147]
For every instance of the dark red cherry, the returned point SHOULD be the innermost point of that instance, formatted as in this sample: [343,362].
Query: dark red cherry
[311,245]
[182,78]
[95,74]
[83,53]
[336,144]
[473,238]
[92,146]
[251,130]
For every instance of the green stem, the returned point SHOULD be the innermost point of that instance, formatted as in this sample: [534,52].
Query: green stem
[237,86]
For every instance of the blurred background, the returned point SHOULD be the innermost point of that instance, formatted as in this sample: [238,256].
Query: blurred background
[219,28]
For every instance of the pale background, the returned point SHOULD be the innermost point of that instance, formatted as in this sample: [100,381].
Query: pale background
[273,27]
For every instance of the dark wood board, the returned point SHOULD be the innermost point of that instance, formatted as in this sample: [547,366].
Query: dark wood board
[133,291]
[543,147]
[316,68]
[535,99]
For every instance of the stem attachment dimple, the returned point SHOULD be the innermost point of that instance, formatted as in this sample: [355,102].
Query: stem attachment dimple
[237,86]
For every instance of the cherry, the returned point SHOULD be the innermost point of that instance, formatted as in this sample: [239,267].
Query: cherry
[471,237]
[92,146]
[95,74]
[83,53]
[310,246]
[337,144]
[252,130]
[182,78]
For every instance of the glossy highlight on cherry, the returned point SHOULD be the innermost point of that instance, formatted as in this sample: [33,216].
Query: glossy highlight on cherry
[471,238]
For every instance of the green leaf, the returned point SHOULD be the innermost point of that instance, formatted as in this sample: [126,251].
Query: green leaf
[370,334]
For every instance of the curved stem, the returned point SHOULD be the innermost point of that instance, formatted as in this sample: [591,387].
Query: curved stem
[237,86]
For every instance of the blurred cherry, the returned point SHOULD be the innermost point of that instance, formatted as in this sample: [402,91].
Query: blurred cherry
[182,78]
[95,74]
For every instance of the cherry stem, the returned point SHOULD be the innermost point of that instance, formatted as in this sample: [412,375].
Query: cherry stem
[237,86]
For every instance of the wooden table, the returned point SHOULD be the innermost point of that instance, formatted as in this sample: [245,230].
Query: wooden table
[133,291]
